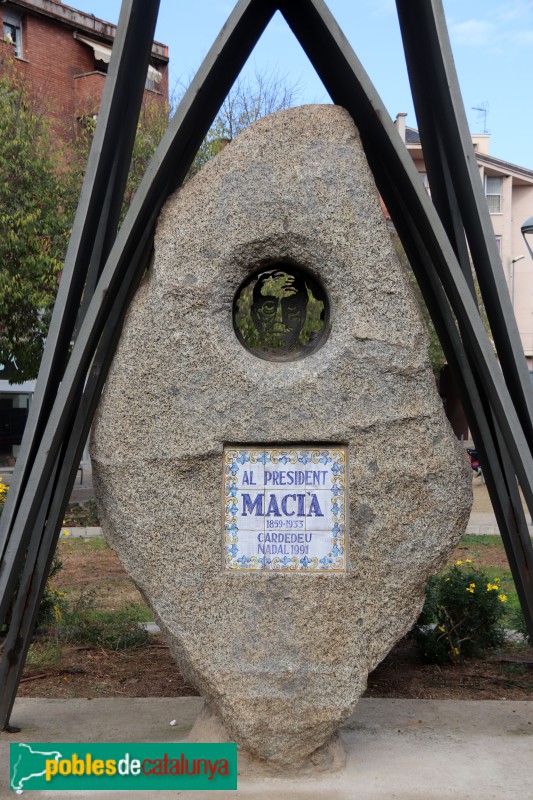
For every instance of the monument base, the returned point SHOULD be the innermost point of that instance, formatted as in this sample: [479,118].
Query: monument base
[330,757]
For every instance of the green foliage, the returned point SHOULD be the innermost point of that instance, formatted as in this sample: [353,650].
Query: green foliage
[82,515]
[3,495]
[41,173]
[34,225]
[80,622]
[153,121]
[462,615]
[54,601]
[44,654]
[40,181]
[111,630]
[519,623]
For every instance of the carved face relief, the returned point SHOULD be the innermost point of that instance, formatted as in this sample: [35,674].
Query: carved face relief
[280,313]
[279,308]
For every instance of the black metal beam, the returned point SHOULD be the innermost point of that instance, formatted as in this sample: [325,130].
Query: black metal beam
[120,98]
[459,200]
[500,477]
[349,86]
[22,539]
[440,114]
[166,171]
[40,552]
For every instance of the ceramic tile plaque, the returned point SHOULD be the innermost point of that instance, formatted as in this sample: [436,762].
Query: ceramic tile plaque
[284,510]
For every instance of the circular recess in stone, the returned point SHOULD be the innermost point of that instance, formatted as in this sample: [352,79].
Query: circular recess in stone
[281,312]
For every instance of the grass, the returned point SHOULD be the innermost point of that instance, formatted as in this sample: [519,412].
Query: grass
[76,545]
[44,655]
[83,624]
[479,541]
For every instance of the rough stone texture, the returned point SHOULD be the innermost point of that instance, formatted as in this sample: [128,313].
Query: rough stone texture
[282,660]
[330,757]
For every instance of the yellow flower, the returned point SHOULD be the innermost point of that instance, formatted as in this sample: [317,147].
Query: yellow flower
[491,587]
[468,560]
[456,651]
[470,589]
[503,597]
[66,533]
[458,563]
[442,629]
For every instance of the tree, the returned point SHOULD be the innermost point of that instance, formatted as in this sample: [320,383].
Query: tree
[153,122]
[34,226]
[248,100]
[39,191]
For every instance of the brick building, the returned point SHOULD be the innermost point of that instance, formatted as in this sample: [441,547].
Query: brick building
[64,54]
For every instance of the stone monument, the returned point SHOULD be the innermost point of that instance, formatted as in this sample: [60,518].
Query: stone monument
[271,457]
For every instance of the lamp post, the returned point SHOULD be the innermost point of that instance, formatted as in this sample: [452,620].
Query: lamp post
[527,230]
[513,262]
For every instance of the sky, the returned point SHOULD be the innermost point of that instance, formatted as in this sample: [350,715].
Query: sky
[492,43]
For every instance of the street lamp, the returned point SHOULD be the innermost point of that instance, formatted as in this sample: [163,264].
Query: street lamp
[513,262]
[527,230]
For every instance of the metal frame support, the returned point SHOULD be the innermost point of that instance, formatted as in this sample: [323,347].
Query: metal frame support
[110,266]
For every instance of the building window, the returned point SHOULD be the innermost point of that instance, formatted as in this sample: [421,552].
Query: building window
[493,193]
[153,78]
[13,31]
[499,243]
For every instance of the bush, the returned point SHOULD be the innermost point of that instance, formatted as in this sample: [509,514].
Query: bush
[519,623]
[84,515]
[461,616]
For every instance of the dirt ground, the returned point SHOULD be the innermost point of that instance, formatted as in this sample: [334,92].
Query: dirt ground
[151,672]
[57,670]
[93,672]
[89,564]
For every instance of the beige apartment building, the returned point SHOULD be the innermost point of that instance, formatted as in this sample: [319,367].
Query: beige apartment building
[509,192]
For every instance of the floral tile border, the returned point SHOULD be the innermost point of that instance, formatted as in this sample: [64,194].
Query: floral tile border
[285,510]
